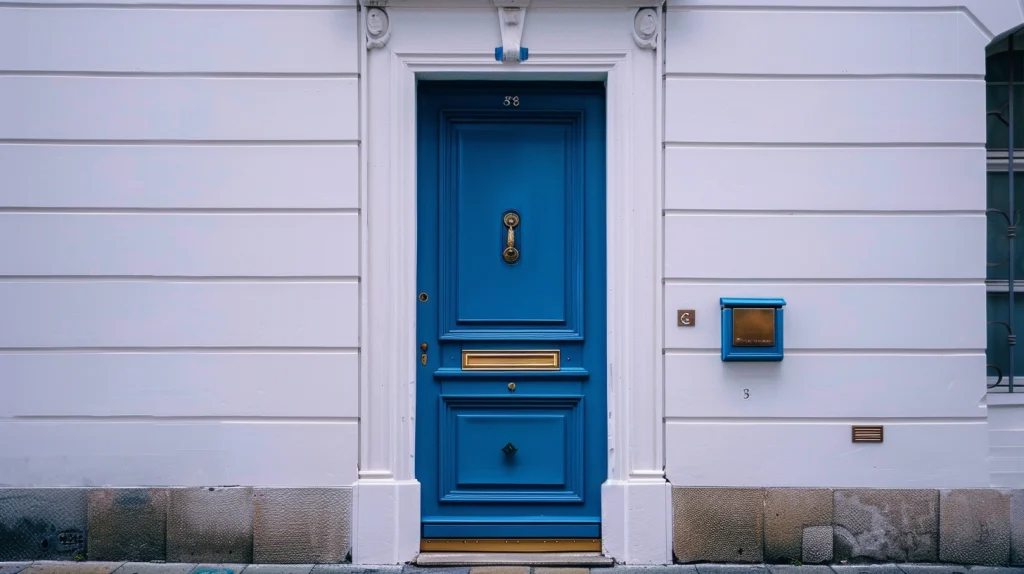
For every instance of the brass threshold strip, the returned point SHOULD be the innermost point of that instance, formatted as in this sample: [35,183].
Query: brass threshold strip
[510,545]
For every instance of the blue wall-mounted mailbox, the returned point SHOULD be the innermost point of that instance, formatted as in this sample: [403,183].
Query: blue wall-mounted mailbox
[752,329]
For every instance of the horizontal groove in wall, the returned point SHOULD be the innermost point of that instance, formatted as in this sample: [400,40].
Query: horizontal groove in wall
[822,212]
[181,211]
[180,142]
[724,6]
[174,350]
[845,352]
[741,420]
[181,419]
[172,6]
[836,77]
[799,145]
[980,281]
[201,75]
[176,279]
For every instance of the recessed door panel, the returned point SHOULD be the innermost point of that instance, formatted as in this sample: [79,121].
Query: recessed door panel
[511,392]
[530,290]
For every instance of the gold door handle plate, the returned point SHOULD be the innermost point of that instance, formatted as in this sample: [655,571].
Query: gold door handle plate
[511,221]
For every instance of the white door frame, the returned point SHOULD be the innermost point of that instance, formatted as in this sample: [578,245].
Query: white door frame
[636,505]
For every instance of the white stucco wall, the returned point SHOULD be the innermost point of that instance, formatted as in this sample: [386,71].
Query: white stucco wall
[180,242]
[179,232]
[832,154]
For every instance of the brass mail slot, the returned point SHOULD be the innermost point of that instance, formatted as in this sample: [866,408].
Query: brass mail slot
[753,327]
[511,360]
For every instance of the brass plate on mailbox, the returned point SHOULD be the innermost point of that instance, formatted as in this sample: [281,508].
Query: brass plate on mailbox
[511,360]
[753,327]
[867,434]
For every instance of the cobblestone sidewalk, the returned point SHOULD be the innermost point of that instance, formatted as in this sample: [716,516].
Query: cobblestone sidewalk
[164,568]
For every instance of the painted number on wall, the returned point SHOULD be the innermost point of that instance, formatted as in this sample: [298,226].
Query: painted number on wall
[746,394]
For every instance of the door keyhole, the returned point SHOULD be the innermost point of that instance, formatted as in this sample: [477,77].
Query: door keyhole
[423,356]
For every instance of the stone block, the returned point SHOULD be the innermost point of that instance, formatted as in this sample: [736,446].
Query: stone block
[787,512]
[817,544]
[210,525]
[499,570]
[887,524]
[301,525]
[219,568]
[974,527]
[718,524]
[128,524]
[1017,527]
[13,567]
[416,570]
[547,570]
[42,523]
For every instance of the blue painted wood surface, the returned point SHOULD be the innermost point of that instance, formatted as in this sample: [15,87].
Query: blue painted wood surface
[544,159]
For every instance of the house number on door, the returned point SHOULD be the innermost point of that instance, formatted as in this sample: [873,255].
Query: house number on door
[512,101]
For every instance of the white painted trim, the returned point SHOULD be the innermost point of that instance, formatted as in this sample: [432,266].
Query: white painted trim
[635,385]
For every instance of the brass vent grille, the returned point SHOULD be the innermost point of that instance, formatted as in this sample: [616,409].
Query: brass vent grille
[867,434]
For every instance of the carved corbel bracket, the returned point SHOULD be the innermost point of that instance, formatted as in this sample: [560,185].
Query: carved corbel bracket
[378,28]
[645,28]
[511,17]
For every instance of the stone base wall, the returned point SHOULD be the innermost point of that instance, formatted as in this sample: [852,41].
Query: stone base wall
[214,525]
[820,525]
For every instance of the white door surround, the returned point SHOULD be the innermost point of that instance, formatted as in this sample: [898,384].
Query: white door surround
[596,43]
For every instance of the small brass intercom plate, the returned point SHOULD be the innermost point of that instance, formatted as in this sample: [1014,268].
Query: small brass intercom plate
[686,317]
[753,327]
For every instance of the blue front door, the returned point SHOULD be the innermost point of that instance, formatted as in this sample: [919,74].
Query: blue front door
[511,430]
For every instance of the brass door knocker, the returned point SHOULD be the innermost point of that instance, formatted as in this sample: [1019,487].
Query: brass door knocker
[511,221]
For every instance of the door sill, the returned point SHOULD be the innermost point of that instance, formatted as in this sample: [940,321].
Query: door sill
[580,559]
[514,545]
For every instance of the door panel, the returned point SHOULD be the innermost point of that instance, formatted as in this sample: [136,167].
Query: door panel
[511,439]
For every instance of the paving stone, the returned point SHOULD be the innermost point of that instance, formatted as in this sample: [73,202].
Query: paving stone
[626,569]
[974,527]
[359,569]
[13,567]
[817,544]
[791,569]
[887,524]
[499,570]
[128,524]
[212,525]
[298,525]
[155,568]
[787,511]
[72,567]
[718,524]
[932,568]
[866,569]
[994,570]
[730,569]
[548,570]
[420,570]
[219,568]
[42,523]
[1017,527]
[279,569]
